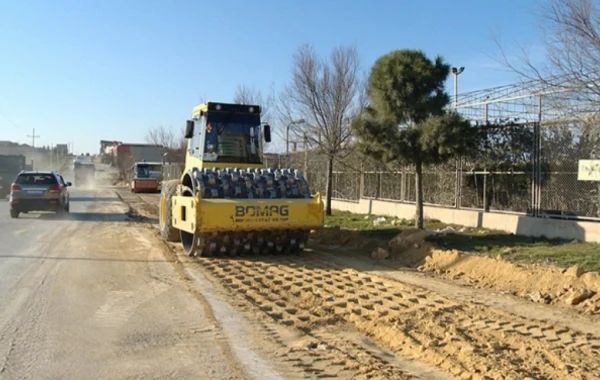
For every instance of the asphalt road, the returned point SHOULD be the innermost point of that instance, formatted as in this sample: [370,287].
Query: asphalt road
[93,296]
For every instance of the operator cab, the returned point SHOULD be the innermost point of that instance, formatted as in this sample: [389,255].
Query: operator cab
[148,170]
[227,133]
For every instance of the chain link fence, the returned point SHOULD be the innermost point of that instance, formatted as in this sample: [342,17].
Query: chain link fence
[528,167]
[562,194]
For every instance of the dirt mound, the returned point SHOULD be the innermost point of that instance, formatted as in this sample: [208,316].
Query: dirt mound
[544,284]
[409,247]
[353,239]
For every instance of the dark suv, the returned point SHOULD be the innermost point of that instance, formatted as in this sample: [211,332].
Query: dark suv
[38,191]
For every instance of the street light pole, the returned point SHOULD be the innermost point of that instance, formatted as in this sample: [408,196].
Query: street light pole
[456,72]
[457,184]
[305,143]
[287,134]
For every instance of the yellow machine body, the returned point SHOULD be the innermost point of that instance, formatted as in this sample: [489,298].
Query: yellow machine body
[199,217]
[235,215]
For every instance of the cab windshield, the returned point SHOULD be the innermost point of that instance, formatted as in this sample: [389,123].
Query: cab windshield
[232,138]
[149,171]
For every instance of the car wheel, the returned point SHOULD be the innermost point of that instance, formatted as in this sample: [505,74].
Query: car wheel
[67,207]
[14,213]
[60,210]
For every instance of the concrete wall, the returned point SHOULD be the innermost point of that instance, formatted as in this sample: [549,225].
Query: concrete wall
[512,223]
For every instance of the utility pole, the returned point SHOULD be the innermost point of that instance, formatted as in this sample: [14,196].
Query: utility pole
[33,136]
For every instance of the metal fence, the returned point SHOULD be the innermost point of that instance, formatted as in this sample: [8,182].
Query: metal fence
[528,168]
[171,171]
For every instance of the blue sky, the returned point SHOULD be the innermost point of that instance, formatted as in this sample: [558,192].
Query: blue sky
[80,71]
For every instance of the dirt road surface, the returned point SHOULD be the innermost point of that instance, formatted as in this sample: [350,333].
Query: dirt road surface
[94,296]
[417,326]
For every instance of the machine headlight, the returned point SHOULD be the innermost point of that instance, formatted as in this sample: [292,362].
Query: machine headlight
[218,107]
[251,109]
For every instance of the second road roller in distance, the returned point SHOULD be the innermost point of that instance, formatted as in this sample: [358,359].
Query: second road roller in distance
[226,201]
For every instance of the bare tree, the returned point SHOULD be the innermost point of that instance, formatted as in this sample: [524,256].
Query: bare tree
[570,76]
[327,95]
[124,164]
[571,36]
[250,95]
[161,136]
[175,143]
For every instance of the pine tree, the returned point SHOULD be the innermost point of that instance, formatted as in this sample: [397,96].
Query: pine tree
[406,120]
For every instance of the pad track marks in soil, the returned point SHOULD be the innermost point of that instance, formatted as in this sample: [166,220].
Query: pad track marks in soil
[323,354]
[341,359]
[465,340]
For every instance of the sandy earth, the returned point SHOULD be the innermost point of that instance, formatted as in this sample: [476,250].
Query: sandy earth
[567,288]
[361,318]
[570,288]
[94,296]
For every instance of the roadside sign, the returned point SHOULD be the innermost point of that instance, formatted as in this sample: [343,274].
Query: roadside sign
[589,170]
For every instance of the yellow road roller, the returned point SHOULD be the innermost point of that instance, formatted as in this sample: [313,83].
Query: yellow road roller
[227,202]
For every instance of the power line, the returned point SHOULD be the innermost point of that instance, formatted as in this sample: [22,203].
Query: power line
[33,136]
[9,119]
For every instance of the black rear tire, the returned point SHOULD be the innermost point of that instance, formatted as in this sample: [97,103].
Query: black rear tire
[14,213]
[165,210]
